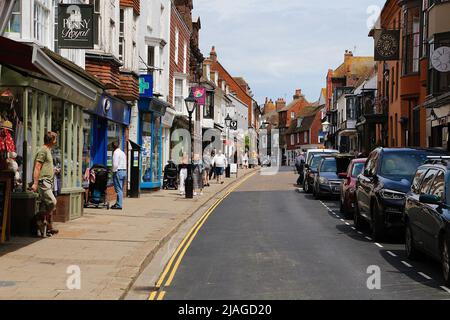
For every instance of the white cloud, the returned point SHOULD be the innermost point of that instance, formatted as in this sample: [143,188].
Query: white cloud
[280,45]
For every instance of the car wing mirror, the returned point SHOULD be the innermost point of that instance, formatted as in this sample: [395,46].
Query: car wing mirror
[430,199]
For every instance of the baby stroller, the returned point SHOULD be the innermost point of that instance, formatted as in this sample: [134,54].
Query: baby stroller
[170,181]
[98,182]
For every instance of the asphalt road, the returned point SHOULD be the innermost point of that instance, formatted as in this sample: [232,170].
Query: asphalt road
[268,241]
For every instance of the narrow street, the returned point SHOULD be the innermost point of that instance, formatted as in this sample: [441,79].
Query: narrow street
[268,241]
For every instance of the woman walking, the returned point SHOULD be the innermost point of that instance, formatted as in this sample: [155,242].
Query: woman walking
[206,169]
[197,174]
[183,170]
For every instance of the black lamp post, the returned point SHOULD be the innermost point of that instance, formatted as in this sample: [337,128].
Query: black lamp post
[191,104]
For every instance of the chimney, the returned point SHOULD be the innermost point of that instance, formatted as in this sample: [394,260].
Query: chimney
[348,54]
[213,54]
[298,94]
[280,104]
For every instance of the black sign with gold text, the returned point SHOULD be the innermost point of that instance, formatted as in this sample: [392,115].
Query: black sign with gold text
[387,45]
[76,26]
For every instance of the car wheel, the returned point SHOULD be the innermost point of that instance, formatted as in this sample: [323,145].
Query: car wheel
[411,252]
[378,227]
[445,257]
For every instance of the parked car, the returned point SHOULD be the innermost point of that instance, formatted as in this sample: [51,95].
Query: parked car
[381,189]
[348,187]
[312,152]
[310,172]
[327,181]
[427,214]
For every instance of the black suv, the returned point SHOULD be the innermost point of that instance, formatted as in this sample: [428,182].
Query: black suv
[427,213]
[381,189]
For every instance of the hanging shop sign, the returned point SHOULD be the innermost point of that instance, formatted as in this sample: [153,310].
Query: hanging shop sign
[200,95]
[146,86]
[76,26]
[387,45]
[440,59]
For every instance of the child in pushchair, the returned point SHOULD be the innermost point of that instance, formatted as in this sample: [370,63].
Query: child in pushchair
[98,182]
[170,181]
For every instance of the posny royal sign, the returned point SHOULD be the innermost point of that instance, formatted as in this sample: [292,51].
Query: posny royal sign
[76,26]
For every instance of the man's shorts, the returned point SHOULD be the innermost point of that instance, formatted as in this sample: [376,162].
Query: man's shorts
[46,196]
[219,171]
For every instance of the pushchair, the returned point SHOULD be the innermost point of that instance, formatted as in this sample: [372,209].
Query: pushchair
[98,182]
[170,181]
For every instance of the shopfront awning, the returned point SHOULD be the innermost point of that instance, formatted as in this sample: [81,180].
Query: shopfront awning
[154,105]
[75,84]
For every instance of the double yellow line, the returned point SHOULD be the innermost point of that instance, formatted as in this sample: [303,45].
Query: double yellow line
[159,293]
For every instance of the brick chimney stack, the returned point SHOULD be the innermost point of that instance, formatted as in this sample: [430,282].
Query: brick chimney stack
[213,54]
[348,54]
[298,94]
[280,104]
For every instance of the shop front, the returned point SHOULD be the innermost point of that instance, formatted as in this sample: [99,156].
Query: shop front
[150,138]
[105,124]
[41,93]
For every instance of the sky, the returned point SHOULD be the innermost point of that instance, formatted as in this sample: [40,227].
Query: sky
[282,45]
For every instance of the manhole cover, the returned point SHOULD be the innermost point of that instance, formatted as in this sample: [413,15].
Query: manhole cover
[4,284]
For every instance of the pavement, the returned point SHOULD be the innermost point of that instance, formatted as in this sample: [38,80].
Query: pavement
[267,240]
[107,249]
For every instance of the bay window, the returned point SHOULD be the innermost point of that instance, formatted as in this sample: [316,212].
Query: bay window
[411,38]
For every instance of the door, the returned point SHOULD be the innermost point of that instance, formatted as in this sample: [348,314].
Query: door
[413,205]
[433,219]
[365,185]
[422,216]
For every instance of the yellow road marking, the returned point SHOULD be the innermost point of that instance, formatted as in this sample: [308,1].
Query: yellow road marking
[153,295]
[190,236]
[161,295]
[180,258]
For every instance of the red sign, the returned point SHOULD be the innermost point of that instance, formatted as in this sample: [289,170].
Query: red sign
[200,95]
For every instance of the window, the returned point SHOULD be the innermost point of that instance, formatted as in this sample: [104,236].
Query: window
[305,137]
[351,108]
[438,187]
[177,43]
[179,99]
[122,35]
[208,111]
[299,122]
[392,84]
[151,56]
[411,39]
[15,23]
[97,20]
[427,182]
[415,187]
[41,21]
[292,139]
[292,115]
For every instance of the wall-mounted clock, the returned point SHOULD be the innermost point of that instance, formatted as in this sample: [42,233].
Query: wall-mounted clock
[440,60]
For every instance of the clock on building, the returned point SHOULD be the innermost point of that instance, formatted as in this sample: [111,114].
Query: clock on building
[387,45]
[440,59]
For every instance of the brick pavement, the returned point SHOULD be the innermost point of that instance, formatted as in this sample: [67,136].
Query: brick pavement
[110,247]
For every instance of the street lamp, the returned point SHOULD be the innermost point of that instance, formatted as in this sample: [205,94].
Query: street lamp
[191,104]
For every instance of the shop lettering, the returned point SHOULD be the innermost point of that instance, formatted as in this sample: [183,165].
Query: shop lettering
[73,24]
[74,34]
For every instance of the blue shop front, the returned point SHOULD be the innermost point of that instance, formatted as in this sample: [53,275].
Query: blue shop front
[150,128]
[102,126]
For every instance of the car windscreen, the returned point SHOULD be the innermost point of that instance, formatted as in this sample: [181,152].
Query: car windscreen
[315,161]
[401,165]
[357,169]
[329,165]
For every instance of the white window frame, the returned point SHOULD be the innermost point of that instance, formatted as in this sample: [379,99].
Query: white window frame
[41,22]
[185,57]
[177,44]
[178,100]
[15,13]
[292,139]
[122,41]
[305,137]
[292,115]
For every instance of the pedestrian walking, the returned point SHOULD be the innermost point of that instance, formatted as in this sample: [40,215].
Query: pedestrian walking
[206,169]
[183,170]
[119,170]
[213,166]
[245,160]
[220,162]
[43,183]
[197,175]
[300,166]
